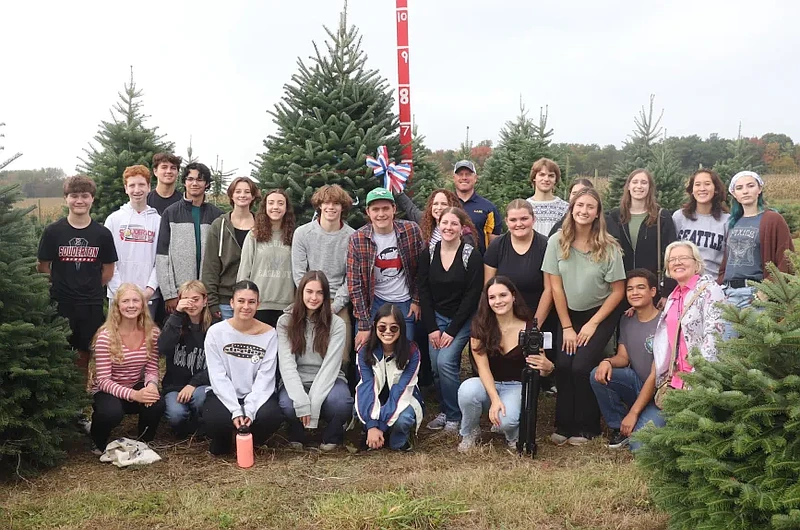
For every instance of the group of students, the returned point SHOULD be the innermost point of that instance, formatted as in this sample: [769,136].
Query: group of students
[260,318]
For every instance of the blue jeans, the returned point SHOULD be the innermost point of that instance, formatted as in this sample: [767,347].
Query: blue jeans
[336,411]
[740,298]
[446,366]
[182,416]
[616,397]
[226,310]
[397,434]
[474,402]
[404,307]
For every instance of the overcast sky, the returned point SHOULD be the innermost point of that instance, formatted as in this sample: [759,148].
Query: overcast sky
[211,69]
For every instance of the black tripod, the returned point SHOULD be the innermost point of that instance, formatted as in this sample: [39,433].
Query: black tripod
[530,339]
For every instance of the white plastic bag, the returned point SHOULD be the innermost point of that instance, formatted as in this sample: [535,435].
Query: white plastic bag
[124,452]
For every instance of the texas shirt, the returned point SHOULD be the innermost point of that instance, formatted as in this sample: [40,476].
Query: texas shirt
[76,257]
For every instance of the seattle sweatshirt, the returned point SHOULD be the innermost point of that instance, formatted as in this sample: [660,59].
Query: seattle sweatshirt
[135,238]
[241,367]
[309,377]
[314,249]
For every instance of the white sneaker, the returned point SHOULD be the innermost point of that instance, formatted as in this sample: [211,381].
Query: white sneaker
[577,440]
[438,423]
[469,441]
[558,439]
[452,427]
[297,446]
[327,448]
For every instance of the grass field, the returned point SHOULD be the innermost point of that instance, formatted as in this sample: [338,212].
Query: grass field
[434,487]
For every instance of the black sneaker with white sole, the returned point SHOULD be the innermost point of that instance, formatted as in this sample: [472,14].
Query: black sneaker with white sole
[617,440]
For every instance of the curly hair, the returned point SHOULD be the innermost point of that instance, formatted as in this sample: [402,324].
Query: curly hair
[429,222]
[485,328]
[262,229]
[603,245]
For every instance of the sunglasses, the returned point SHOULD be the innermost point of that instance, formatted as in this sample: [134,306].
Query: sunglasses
[394,328]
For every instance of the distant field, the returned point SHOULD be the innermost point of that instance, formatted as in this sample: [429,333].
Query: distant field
[47,208]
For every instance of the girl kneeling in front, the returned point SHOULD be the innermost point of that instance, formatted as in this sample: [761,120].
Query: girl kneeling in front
[388,402]
[310,346]
[242,355]
[502,314]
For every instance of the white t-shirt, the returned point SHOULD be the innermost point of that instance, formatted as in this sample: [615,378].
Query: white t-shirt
[390,278]
[548,213]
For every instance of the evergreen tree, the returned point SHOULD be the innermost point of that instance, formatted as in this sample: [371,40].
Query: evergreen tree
[669,176]
[427,175]
[40,387]
[219,183]
[637,152]
[729,455]
[739,159]
[506,175]
[124,141]
[333,114]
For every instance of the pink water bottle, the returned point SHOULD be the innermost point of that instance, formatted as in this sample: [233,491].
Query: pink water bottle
[244,447]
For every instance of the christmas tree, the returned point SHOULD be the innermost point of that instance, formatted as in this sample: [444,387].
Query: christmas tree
[427,174]
[643,150]
[41,390]
[333,114]
[506,175]
[124,141]
[729,455]
[739,159]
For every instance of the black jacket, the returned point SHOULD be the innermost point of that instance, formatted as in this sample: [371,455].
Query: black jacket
[646,254]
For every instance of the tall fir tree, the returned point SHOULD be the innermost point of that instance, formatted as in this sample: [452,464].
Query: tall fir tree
[124,141]
[669,176]
[729,455]
[219,183]
[637,152]
[506,175]
[333,114]
[40,387]
[427,174]
[739,159]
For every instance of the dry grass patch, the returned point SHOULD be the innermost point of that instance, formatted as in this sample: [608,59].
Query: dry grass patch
[433,487]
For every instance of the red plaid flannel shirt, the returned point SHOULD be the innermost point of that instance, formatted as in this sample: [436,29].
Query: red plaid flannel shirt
[361,253]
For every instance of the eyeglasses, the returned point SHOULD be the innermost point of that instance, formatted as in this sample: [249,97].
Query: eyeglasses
[680,259]
[192,179]
[394,328]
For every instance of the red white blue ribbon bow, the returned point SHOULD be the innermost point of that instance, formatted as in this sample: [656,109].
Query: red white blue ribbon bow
[394,175]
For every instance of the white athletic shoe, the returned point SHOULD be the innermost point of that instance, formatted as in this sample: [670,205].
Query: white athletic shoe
[438,423]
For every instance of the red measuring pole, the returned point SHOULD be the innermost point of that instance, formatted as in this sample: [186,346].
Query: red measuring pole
[403,83]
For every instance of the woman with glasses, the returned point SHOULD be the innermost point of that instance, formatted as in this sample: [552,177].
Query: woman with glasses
[388,402]
[691,318]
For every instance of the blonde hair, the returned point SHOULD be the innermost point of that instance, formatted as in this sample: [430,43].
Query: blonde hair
[604,247]
[198,287]
[698,259]
[111,325]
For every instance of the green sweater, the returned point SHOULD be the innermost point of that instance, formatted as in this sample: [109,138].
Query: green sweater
[220,262]
[268,264]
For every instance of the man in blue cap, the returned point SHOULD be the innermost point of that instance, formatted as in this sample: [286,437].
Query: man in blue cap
[382,265]
[481,211]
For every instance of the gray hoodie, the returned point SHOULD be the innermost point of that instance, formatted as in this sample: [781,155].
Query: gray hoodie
[309,377]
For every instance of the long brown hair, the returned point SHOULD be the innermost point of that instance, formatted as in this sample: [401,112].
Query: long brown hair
[719,202]
[485,328]
[321,319]
[604,246]
[262,229]
[198,287]
[429,222]
[650,202]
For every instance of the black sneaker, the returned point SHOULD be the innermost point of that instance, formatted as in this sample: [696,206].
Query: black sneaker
[617,440]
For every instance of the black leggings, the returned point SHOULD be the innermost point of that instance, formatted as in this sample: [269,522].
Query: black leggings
[577,412]
[219,423]
[109,411]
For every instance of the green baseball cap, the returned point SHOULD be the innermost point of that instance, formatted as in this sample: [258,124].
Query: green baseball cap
[379,194]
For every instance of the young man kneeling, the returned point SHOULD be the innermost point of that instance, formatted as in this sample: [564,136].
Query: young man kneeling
[625,383]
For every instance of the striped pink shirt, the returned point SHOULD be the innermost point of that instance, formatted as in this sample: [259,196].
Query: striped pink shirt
[118,379]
